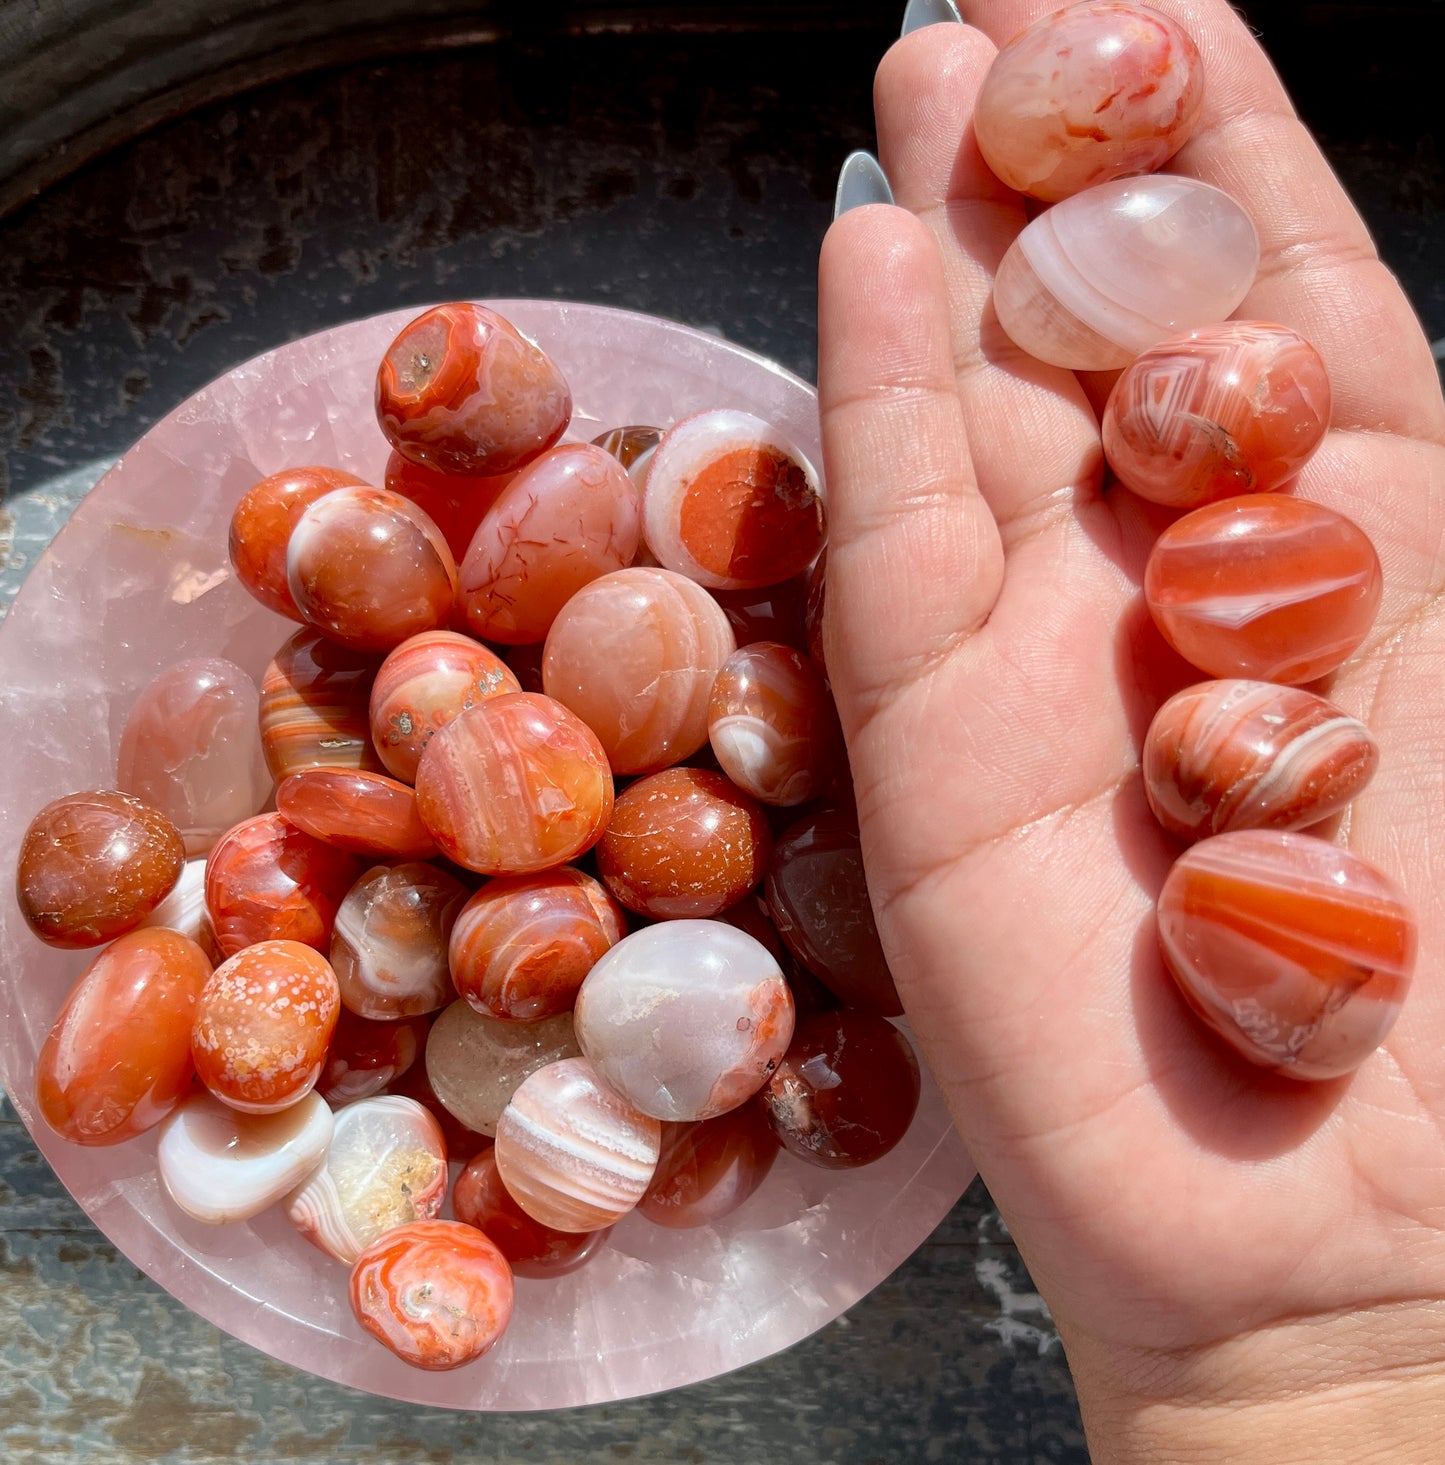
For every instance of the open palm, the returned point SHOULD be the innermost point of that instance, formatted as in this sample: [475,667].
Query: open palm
[996,672]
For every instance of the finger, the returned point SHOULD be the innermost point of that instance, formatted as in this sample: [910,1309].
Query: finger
[1319,272]
[1032,433]
[914,558]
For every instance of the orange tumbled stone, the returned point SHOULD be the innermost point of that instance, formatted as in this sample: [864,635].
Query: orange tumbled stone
[118,1058]
[514,784]
[366,813]
[262,1026]
[315,707]
[93,865]
[684,843]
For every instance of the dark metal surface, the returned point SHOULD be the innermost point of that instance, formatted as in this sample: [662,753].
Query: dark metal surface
[686,175]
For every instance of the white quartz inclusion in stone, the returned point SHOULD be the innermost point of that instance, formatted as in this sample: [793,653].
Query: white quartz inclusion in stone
[685,1019]
[220,1165]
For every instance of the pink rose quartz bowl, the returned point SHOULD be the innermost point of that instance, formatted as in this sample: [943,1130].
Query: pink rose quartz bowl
[138,579]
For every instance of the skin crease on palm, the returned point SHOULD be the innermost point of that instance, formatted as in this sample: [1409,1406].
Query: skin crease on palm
[1216,1243]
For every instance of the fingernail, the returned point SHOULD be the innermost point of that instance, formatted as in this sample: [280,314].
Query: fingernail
[860,181]
[928,12]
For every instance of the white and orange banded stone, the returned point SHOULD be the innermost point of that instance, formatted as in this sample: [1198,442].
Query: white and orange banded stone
[573,1154]
[772,724]
[1252,755]
[1296,952]
[1268,586]
[1222,410]
[386,1166]
[732,503]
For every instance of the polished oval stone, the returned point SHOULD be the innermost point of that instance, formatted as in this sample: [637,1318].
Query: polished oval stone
[475,1062]
[480,1199]
[93,865]
[685,1019]
[634,655]
[1296,952]
[1267,587]
[708,1169]
[184,910]
[368,1055]
[261,529]
[357,810]
[1252,755]
[522,944]
[1090,93]
[773,726]
[683,842]
[846,1090]
[1106,274]
[513,785]
[389,943]
[219,1165]
[386,1166]
[454,502]
[368,568]
[262,1025]
[315,698]
[571,1153]
[118,1058]
[422,685]
[461,389]
[191,748]
[817,896]
[731,503]
[438,1294]
[1222,410]
[566,519]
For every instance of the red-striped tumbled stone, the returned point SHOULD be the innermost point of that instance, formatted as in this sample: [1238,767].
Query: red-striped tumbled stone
[1296,952]
[1268,586]
[1251,755]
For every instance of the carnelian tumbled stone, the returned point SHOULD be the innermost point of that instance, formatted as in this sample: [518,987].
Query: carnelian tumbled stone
[684,842]
[368,568]
[118,1058]
[523,943]
[514,784]
[422,685]
[437,1293]
[367,813]
[1222,410]
[1296,952]
[534,1250]
[1252,755]
[263,1023]
[93,865]
[846,1090]
[709,1168]
[1268,587]
[314,707]
[566,519]
[454,502]
[634,655]
[462,389]
[1089,93]
[261,529]
[268,881]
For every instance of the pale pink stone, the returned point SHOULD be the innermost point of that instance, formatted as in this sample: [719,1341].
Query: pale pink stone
[634,655]
[1106,274]
[386,1166]
[1089,93]
[685,1019]
[567,518]
[192,749]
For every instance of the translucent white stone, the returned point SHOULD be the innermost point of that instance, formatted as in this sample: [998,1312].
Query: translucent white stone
[1106,274]
[220,1165]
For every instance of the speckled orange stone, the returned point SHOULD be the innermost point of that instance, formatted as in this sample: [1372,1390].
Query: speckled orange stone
[684,843]
[513,785]
[263,1023]
[93,865]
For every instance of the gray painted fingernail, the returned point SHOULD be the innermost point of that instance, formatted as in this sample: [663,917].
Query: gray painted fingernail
[928,12]
[861,180]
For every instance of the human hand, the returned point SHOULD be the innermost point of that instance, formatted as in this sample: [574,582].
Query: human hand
[1231,1257]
